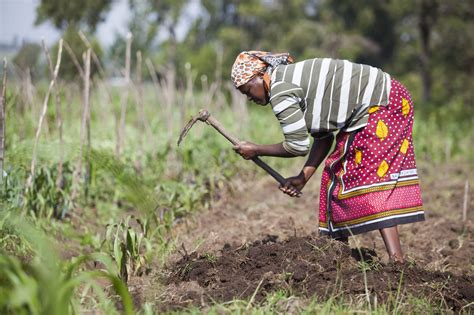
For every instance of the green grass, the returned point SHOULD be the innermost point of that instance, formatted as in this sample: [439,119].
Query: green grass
[281,303]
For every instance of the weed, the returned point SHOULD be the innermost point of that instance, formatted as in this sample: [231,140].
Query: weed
[210,257]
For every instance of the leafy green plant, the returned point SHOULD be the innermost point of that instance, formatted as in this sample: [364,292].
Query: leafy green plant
[129,248]
[47,285]
[43,198]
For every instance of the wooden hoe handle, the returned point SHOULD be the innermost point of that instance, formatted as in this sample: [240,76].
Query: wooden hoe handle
[217,125]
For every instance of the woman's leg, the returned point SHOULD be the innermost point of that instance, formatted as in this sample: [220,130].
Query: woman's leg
[392,243]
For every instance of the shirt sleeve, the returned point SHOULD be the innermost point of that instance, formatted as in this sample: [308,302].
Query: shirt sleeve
[285,99]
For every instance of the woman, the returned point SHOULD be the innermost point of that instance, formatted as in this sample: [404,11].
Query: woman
[370,180]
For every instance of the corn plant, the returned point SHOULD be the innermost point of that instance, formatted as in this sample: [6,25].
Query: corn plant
[43,198]
[128,248]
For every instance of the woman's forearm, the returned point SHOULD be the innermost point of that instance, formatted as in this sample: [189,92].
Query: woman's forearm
[276,149]
[319,151]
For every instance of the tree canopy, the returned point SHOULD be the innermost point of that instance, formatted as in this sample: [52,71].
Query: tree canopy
[429,38]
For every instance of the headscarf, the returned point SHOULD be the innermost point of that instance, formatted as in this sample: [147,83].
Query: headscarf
[249,64]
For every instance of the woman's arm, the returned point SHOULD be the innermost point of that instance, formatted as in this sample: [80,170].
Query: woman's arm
[249,150]
[319,151]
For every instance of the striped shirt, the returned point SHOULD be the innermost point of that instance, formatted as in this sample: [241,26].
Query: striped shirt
[324,95]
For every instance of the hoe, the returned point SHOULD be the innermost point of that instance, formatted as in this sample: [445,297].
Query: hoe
[206,117]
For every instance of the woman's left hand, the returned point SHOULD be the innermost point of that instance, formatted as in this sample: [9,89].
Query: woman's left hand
[246,149]
[293,185]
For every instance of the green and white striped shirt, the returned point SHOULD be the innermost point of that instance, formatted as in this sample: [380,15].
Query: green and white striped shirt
[324,95]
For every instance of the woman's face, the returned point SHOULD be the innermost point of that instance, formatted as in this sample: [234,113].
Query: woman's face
[255,91]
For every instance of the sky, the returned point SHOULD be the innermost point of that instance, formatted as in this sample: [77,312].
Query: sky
[17,18]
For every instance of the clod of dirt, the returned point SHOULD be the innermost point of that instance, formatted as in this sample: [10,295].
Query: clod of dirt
[307,266]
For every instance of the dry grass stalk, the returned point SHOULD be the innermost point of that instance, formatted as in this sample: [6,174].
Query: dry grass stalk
[59,122]
[209,91]
[154,77]
[31,94]
[2,117]
[144,124]
[466,201]
[189,86]
[219,63]
[85,115]
[169,90]
[43,113]
[124,98]
[239,107]
[158,93]
[141,112]
[103,80]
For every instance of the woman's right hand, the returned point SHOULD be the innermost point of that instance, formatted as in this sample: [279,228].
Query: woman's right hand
[293,185]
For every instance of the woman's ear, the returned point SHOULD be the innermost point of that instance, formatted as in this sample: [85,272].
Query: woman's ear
[266,82]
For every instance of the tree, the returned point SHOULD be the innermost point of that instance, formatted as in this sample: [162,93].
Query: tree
[143,28]
[70,17]
[75,14]
[438,42]
[167,14]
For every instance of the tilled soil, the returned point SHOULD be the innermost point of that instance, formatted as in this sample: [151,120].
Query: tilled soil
[307,266]
[220,260]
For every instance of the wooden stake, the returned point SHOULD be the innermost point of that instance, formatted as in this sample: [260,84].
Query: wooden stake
[2,118]
[143,123]
[124,99]
[140,110]
[43,113]
[103,77]
[466,201]
[85,114]
[156,85]
[59,122]
[93,54]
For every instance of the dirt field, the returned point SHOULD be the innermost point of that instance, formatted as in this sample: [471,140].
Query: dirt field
[255,241]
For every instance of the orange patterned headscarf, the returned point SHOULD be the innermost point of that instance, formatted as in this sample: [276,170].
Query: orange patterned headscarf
[249,64]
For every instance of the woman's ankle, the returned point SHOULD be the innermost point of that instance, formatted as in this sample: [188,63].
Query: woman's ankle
[392,244]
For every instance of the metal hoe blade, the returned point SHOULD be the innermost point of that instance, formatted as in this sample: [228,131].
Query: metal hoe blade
[203,115]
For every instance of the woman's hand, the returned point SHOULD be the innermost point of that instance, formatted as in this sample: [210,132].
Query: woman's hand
[247,150]
[294,185]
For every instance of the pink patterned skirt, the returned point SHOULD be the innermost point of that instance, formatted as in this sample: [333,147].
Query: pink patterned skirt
[370,180]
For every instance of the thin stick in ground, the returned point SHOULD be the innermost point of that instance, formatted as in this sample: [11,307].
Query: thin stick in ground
[465,202]
[142,122]
[156,85]
[124,99]
[85,115]
[59,122]
[2,117]
[159,91]
[43,114]
[103,80]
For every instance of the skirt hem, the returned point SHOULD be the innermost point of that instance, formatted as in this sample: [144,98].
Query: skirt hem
[349,231]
